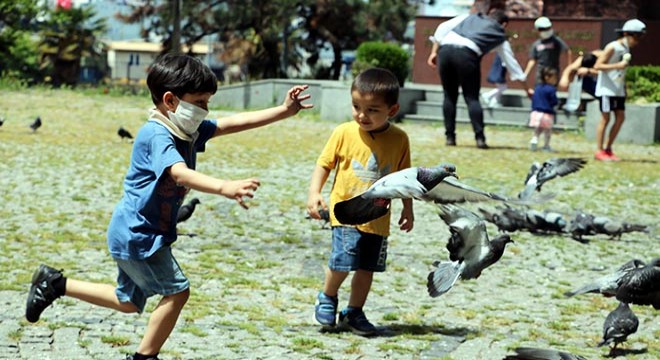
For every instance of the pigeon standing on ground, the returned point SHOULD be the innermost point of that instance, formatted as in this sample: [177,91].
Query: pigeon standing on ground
[539,174]
[642,286]
[620,323]
[410,183]
[584,224]
[529,353]
[36,124]
[470,251]
[124,134]
[512,219]
[186,210]
[609,284]
[2,120]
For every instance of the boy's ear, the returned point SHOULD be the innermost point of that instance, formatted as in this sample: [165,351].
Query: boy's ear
[394,109]
[169,100]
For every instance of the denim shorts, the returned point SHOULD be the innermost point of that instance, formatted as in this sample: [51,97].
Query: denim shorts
[353,249]
[158,274]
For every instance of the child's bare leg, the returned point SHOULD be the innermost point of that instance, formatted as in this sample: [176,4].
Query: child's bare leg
[333,280]
[161,322]
[547,135]
[619,118]
[97,294]
[600,130]
[360,286]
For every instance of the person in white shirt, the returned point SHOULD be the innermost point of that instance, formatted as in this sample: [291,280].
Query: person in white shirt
[458,46]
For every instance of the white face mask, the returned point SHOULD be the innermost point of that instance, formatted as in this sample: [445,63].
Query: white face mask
[545,34]
[187,116]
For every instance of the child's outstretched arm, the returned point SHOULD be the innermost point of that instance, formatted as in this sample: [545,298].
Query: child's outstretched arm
[314,197]
[253,119]
[407,219]
[232,189]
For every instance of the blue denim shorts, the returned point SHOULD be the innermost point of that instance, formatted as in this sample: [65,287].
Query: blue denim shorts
[158,274]
[353,249]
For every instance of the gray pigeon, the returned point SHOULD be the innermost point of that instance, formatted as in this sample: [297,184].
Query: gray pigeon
[511,219]
[529,353]
[539,174]
[36,124]
[186,210]
[410,183]
[619,323]
[470,251]
[642,285]
[609,284]
[584,224]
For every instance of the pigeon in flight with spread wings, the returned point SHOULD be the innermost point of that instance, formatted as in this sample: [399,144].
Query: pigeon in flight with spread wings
[635,282]
[619,323]
[470,250]
[539,174]
[530,353]
[436,184]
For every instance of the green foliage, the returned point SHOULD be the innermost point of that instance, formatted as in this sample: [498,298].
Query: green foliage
[643,82]
[17,49]
[385,55]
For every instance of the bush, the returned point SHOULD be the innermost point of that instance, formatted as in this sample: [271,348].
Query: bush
[643,83]
[384,55]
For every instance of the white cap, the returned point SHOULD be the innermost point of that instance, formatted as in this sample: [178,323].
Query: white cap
[542,23]
[633,26]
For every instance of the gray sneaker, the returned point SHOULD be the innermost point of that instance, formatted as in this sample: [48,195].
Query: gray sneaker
[357,322]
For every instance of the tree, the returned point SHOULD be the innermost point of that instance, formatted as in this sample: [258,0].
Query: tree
[68,35]
[17,49]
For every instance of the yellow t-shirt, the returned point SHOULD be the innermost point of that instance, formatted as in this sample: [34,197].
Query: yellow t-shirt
[359,158]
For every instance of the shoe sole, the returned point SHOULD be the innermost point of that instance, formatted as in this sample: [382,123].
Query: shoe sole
[357,331]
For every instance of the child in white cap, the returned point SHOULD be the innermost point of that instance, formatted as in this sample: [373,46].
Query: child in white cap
[546,50]
[611,85]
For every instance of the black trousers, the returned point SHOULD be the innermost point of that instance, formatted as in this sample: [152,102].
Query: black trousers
[460,66]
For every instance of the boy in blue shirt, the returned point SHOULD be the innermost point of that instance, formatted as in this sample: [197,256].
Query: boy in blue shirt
[161,172]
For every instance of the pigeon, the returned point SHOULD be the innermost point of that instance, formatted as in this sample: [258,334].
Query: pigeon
[609,284]
[539,174]
[124,134]
[36,124]
[511,219]
[2,120]
[584,224]
[641,286]
[410,183]
[529,353]
[325,217]
[186,210]
[620,323]
[470,251]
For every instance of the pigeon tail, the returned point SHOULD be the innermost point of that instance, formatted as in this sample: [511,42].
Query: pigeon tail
[589,288]
[443,278]
[358,210]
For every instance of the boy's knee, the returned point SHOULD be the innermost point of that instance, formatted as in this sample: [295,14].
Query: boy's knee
[182,297]
[128,308]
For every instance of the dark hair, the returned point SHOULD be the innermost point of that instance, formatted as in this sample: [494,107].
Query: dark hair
[180,74]
[379,82]
[499,15]
[547,72]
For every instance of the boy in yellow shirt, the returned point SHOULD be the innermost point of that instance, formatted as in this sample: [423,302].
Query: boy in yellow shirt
[360,152]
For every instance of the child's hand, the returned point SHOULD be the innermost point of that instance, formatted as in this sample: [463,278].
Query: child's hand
[314,203]
[293,100]
[237,189]
[406,220]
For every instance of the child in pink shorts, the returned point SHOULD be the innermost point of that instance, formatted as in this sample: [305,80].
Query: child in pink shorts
[542,116]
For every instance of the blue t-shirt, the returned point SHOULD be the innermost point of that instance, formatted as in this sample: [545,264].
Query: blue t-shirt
[144,220]
[545,98]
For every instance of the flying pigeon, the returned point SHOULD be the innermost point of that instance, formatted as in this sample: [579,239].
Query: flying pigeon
[470,251]
[641,286]
[36,124]
[584,224]
[609,284]
[539,174]
[529,353]
[186,210]
[410,183]
[124,134]
[619,323]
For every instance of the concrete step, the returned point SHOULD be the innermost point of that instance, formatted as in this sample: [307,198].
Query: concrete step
[505,115]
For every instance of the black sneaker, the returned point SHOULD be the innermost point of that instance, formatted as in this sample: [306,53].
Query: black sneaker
[357,322]
[132,357]
[42,293]
[450,141]
[481,144]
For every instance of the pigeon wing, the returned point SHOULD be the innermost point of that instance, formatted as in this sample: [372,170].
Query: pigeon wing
[559,167]
[641,286]
[450,191]
[401,184]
